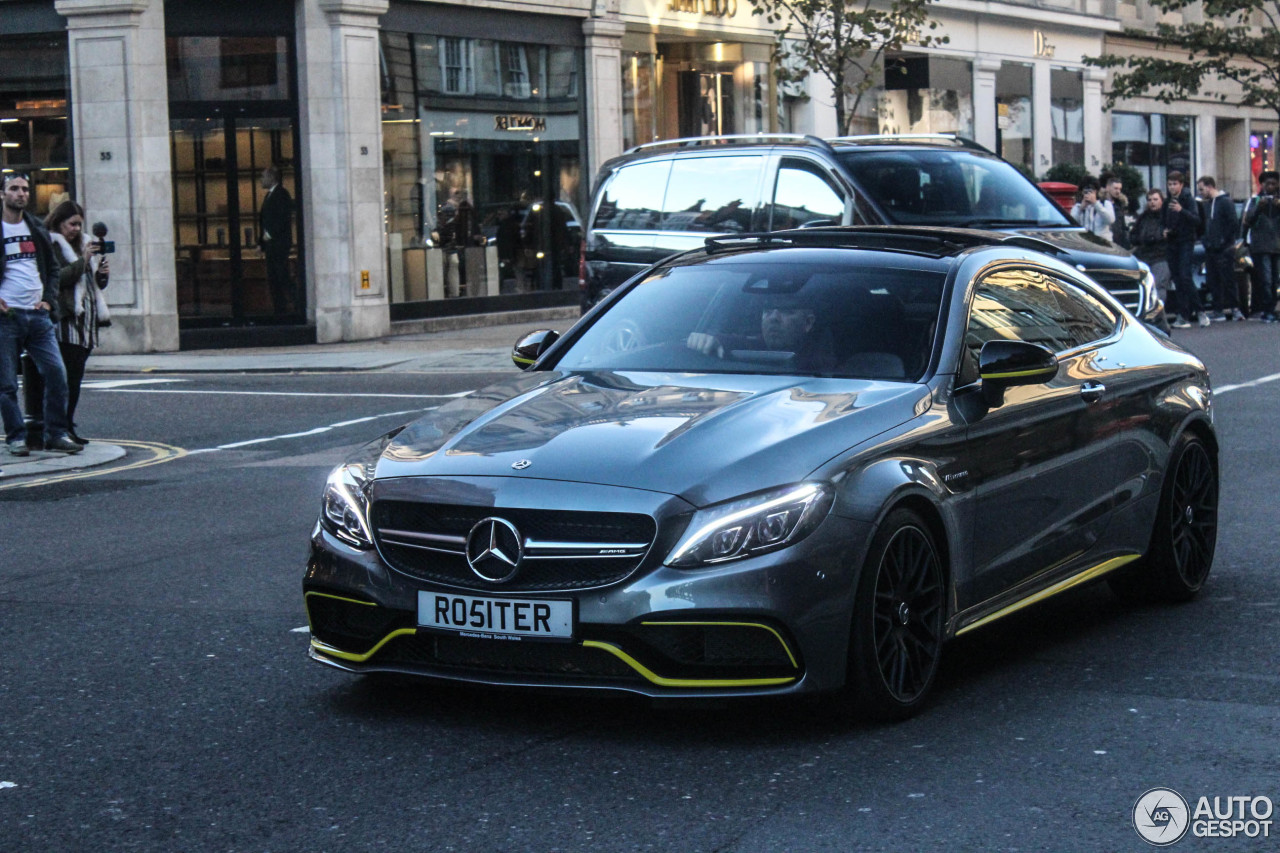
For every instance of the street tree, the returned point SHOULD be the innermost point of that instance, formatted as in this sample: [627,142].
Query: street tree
[1237,40]
[845,42]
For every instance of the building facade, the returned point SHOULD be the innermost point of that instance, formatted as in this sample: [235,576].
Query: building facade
[438,156]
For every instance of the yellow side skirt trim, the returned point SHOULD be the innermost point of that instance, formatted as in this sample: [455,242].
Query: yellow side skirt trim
[1061,586]
[653,677]
[776,635]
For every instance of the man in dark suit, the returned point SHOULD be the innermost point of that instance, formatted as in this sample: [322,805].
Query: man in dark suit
[1221,231]
[1182,222]
[275,238]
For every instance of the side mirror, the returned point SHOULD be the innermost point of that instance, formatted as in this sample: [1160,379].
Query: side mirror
[530,347]
[1004,364]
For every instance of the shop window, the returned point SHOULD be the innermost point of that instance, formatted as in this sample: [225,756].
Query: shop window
[1013,113]
[1154,144]
[1066,107]
[34,132]
[925,94]
[211,68]
[639,99]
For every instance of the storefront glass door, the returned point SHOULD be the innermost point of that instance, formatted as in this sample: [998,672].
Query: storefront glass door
[218,163]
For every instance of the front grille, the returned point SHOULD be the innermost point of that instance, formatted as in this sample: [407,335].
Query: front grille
[564,550]
[1125,288]
[542,659]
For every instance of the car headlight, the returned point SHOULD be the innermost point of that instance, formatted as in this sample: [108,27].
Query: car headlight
[344,507]
[752,525]
[1150,296]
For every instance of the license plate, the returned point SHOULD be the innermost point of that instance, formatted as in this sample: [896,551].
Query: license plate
[496,618]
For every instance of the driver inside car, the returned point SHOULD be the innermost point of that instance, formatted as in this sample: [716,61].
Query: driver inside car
[787,325]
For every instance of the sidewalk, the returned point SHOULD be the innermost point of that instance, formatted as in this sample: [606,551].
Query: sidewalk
[44,463]
[485,346]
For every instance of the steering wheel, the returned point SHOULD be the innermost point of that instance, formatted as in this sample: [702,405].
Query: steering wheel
[624,337]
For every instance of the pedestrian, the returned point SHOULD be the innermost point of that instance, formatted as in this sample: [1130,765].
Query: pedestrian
[1182,222]
[28,309]
[1150,244]
[275,238]
[1262,224]
[1114,199]
[83,273]
[1221,231]
[1092,214]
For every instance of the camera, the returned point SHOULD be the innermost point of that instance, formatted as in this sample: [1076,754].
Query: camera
[108,246]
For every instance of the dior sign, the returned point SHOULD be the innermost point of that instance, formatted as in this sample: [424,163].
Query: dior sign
[706,8]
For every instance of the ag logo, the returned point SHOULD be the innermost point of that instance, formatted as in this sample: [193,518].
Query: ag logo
[1161,817]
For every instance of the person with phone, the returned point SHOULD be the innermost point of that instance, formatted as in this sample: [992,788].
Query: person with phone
[1182,224]
[1095,216]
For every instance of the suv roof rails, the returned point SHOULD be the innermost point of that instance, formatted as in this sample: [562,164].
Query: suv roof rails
[732,139]
[933,241]
[890,138]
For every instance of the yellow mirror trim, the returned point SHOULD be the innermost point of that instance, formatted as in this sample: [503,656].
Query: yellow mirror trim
[1015,374]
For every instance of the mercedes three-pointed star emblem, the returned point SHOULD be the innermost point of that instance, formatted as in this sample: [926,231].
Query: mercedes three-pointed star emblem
[494,550]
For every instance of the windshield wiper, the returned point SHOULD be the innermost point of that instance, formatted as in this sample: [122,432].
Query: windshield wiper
[999,223]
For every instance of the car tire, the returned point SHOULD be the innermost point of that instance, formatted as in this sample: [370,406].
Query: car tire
[1185,535]
[898,621]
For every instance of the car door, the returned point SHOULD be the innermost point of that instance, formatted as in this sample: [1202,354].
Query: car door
[805,195]
[1036,475]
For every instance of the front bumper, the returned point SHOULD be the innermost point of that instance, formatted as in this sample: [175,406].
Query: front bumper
[768,625]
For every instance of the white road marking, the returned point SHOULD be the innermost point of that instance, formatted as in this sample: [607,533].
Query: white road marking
[1250,384]
[105,384]
[8,785]
[303,630]
[315,431]
[279,393]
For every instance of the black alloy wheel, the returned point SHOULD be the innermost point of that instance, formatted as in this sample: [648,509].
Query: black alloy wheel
[898,620]
[1186,530]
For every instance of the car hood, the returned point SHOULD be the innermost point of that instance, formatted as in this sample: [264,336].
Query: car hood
[701,436]
[1081,248]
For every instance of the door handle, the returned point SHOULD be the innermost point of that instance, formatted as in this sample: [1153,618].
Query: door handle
[1092,391]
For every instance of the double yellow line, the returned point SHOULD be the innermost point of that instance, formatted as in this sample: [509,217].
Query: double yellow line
[159,453]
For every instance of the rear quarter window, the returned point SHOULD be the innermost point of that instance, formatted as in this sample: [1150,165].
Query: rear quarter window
[632,198]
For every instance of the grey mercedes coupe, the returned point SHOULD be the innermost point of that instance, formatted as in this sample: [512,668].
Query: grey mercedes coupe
[789,463]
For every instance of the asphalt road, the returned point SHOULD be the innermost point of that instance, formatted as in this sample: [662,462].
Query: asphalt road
[155,692]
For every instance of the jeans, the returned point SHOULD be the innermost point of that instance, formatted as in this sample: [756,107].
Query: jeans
[32,330]
[1266,272]
[1220,270]
[1180,267]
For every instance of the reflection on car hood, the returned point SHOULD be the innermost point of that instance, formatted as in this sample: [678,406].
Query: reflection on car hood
[1088,250]
[704,437]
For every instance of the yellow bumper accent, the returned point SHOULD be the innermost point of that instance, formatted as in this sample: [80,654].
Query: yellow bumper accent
[654,678]
[1061,586]
[775,634]
[325,648]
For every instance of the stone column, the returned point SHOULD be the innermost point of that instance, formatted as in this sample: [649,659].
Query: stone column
[120,124]
[985,69]
[1042,116]
[604,89]
[1096,120]
[339,100]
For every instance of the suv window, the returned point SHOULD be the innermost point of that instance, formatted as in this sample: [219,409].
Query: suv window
[957,188]
[632,199]
[804,194]
[713,194]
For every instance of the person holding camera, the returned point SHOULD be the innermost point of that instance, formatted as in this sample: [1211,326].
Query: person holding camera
[83,272]
[1262,224]
[1096,217]
[1221,231]
[28,311]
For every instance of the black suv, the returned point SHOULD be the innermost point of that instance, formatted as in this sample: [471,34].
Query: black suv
[669,196]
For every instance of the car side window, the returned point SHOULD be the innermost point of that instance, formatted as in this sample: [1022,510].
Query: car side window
[632,200]
[717,195]
[1017,305]
[1086,318]
[803,194]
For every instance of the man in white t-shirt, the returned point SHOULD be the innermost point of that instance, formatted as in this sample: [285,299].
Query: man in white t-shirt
[28,300]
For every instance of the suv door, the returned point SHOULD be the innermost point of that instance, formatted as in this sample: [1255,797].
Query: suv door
[805,195]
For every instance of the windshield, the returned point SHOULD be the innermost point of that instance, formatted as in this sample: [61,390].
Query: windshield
[956,188]
[780,315]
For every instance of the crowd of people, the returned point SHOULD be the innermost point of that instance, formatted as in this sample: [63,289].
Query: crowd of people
[1165,232]
[51,309]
